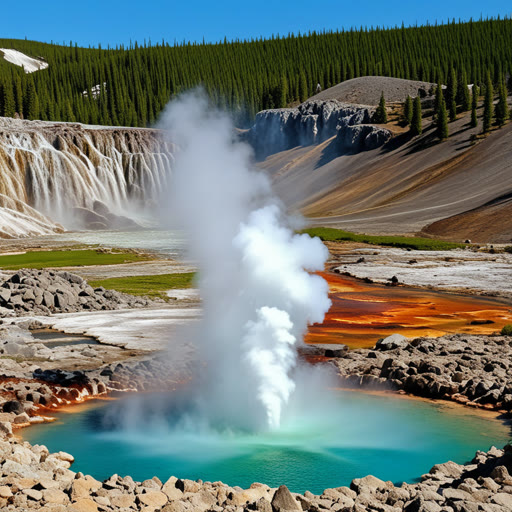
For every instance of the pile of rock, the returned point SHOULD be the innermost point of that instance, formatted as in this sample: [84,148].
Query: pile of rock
[44,292]
[475,370]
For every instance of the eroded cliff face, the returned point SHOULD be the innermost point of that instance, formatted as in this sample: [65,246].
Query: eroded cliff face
[74,175]
[313,122]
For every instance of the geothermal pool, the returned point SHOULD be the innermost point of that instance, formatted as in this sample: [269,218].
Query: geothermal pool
[393,438]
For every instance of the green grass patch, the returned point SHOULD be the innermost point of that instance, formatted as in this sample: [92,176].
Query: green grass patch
[405,242]
[147,286]
[55,259]
[507,330]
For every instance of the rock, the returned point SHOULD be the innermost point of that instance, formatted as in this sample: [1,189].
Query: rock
[263,505]
[503,499]
[170,489]
[392,342]
[55,496]
[284,501]
[361,137]
[5,491]
[21,419]
[155,499]
[82,487]
[33,494]
[5,428]
[84,505]
[368,483]
[448,469]
[13,406]
[122,501]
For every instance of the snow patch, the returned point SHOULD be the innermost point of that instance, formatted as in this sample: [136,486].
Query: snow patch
[20,59]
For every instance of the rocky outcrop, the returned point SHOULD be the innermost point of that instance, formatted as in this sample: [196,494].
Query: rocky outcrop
[473,370]
[47,169]
[43,292]
[361,137]
[310,123]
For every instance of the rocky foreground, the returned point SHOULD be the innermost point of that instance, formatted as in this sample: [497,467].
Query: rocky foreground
[36,379]
[472,370]
[33,479]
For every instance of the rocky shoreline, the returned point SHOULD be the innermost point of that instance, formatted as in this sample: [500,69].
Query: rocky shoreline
[474,370]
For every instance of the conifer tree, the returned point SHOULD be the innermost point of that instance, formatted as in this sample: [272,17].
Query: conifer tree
[502,111]
[442,121]
[30,101]
[381,116]
[451,92]
[303,87]
[18,96]
[416,125]
[474,105]
[8,100]
[408,111]
[282,92]
[488,105]
[438,99]
[463,97]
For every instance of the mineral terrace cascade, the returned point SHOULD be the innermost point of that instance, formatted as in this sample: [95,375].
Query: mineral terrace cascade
[49,169]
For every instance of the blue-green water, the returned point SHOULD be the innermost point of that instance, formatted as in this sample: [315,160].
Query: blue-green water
[392,438]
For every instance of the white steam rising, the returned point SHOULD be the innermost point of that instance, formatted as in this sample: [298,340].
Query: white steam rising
[257,290]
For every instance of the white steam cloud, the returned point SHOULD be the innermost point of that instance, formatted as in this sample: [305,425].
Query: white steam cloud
[254,271]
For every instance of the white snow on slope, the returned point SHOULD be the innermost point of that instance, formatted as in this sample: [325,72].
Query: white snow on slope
[20,59]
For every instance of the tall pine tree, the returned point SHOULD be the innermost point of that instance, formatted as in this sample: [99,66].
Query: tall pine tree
[416,124]
[474,105]
[488,105]
[408,111]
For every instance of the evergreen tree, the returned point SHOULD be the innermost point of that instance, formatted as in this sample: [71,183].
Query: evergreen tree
[463,96]
[438,99]
[381,115]
[30,101]
[451,94]
[442,121]
[303,87]
[282,93]
[474,105]
[416,125]
[8,100]
[408,111]
[18,96]
[488,105]
[502,111]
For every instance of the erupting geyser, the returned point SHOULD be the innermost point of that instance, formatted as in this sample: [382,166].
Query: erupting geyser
[257,290]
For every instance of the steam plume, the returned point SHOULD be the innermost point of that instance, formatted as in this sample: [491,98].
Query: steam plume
[257,290]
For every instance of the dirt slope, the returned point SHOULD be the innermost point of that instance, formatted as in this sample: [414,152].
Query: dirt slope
[366,90]
[404,186]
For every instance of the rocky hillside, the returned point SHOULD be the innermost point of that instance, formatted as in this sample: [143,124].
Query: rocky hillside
[406,184]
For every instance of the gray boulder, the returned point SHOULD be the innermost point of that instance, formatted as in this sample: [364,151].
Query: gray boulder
[392,342]
[284,501]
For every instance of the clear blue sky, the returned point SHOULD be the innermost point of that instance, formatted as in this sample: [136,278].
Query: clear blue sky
[90,22]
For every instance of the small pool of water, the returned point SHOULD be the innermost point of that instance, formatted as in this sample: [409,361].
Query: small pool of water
[393,438]
[52,339]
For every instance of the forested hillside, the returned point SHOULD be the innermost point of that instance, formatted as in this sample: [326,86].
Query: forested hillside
[135,83]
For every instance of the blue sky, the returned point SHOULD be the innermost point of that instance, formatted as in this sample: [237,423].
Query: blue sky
[111,22]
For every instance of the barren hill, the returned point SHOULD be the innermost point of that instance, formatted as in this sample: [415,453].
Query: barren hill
[366,90]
